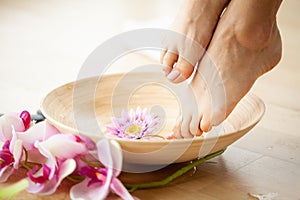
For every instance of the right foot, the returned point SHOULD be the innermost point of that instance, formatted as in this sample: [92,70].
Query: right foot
[197,21]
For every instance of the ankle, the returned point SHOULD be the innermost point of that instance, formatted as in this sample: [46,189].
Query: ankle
[254,21]
[255,35]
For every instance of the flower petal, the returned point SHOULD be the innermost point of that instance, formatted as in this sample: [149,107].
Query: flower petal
[124,127]
[8,121]
[104,153]
[125,116]
[17,153]
[106,158]
[66,168]
[5,173]
[120,190]
[116,154]
[112,130]
[144,114]
[57,146]
[82,191]
[38,132]
[138,113]
[89,143]
[110,155]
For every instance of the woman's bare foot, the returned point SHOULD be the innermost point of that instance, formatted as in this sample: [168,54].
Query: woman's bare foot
[245,45]
[196,20]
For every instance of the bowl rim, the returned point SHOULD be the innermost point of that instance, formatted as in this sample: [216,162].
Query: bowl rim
[59,125]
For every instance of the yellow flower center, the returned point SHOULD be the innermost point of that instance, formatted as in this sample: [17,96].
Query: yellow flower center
[100,177]
[133,130]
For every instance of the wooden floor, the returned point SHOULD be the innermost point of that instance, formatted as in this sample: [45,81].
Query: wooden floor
[44,43]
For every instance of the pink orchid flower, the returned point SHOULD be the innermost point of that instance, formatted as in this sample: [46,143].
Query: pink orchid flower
[39,132]
[36,133]
[59,151]
[46,180]
[12,148]
[11,121]
[20,123]
[99,181]
[10,157]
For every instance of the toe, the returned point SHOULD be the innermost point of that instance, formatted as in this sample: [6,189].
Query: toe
[168,60]
[194,126]
[205,124]
[184,68]
[162,55]
[185,128]
[177,127]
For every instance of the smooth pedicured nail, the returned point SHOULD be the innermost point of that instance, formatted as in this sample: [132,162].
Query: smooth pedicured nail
[167,70]
[179,79]
[173,75]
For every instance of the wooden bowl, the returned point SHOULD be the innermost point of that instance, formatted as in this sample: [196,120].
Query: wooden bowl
[86,106]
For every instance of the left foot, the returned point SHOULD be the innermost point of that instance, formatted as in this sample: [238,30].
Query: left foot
[196,22]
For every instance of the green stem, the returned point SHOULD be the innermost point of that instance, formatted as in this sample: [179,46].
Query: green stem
[75,178]
[27,167]
[92,164]
[11,191]
[25,163]
[26,155]
[183,170]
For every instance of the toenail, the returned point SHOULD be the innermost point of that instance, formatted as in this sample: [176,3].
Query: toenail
[166,71]
[180,78]
[173,75]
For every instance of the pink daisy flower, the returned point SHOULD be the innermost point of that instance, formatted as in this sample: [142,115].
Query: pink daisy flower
[134,125]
